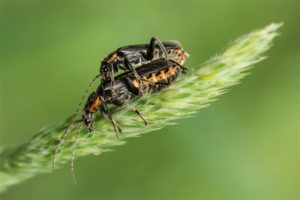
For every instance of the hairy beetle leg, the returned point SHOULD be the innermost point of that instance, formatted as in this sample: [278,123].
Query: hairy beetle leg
[134,109]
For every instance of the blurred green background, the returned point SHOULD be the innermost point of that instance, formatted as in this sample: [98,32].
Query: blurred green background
[244,146]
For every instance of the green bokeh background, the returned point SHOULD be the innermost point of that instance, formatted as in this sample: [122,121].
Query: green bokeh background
[244,146]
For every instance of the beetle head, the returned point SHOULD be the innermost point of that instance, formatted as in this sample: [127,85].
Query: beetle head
[92,105]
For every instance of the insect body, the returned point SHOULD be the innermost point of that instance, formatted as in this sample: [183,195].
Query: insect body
[154,77]
[130,57]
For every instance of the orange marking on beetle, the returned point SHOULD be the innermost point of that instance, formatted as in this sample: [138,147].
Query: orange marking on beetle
[162,75]
[135,83]
[181,56]
[144,81]
[185,54]
[153,78]
[95,104]
[112,58]
[171,71]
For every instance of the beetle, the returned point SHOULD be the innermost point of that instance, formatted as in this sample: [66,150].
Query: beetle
[128,58]
[155,76]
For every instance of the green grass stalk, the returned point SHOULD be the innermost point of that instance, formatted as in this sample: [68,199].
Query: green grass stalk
[183,99]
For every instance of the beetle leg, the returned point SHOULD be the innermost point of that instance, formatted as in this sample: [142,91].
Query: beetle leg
[130,107]
[184,69]
[112,80]
[138,78]
[107,115]
[153,42]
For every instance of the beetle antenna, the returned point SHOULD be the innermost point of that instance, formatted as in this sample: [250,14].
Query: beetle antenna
[73,121]
[74,153]
[85,93]
[62,139]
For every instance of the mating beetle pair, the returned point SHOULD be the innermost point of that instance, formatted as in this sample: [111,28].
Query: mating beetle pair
[147,68]
[130,57]
[138,61]
[154,76]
